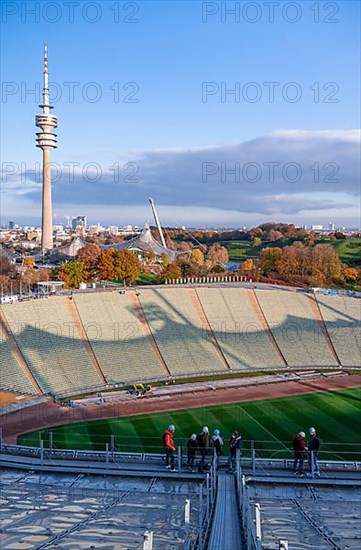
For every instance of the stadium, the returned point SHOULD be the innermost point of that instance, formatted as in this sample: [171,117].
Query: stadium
[90,379]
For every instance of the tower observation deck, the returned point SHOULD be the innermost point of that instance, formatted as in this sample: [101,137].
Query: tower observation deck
[47,141]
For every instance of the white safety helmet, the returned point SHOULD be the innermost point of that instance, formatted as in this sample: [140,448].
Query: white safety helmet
[302,434]
[205,430]
[312,431]
[194,437]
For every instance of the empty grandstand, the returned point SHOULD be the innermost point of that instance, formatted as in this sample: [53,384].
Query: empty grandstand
[296,330]
[244,342]
[13,377]
[50,344]
[342,318]
[118,337]
[184,342]
[61,346]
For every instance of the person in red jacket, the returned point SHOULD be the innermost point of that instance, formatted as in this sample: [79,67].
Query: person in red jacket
[298,444]
[168,442]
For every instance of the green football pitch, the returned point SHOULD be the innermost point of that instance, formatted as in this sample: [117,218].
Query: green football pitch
[270,423]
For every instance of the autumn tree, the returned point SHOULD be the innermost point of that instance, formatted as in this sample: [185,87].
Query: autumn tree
[7,268]
[268,260]
[256,241]
[71,273]
[104,266]
[126,265]
[324,260]
[275,235]
[88,257]
[4,284]
[217,254]
[165,259]
[171,271]
[28,262]
[197,257]
[350,274]
[247,266]
[289,263]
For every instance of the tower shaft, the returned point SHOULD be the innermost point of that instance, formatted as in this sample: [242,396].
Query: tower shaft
[47,141]
[47,209]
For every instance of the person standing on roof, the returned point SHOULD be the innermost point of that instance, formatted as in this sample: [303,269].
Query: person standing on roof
[168,442]
[191,451]
[313,449]
[217,445]
[203,446]
[298,444]
[235,444]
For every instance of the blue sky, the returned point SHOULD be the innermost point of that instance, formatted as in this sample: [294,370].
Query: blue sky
[174,133]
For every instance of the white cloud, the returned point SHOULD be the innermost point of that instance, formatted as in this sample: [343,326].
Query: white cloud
[293,175]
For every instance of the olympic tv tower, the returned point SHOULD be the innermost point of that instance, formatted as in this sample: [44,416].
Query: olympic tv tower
[46,140]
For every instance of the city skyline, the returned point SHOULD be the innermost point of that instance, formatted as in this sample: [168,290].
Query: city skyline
[174,123]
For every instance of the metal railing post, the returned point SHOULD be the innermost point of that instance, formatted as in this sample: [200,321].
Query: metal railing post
[51,442]
[238,460]
[179,458]
[187,517]
[208,499]
[112,444]
[107,454]
[148,540]
[243,490]
[214,482]
[200,518]
[312,464]
[249,526]
[1,439]
[41,452]
[258,526]
[253,452]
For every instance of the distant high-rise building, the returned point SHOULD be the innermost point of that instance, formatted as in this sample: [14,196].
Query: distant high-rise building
[11,225]
[46,140]
[78,221]
[331,226]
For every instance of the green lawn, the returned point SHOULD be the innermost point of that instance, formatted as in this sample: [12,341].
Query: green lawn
[147,279]
[271,423]
[349,251]
[241,250]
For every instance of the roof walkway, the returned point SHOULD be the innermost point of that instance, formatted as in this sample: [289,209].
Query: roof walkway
[226,527]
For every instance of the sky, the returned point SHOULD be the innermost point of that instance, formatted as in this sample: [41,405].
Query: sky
[226,113]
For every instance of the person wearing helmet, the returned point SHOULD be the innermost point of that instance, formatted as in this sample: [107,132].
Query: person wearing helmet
[298,444]
[168,442]
[203,446]
[217,445]
[191,451]
[313,450]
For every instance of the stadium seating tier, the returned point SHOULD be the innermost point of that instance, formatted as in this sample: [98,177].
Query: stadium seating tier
[342,316]
[118,338]
[295,328]
[48,339]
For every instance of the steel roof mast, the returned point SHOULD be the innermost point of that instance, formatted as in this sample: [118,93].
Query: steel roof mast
[157,222]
